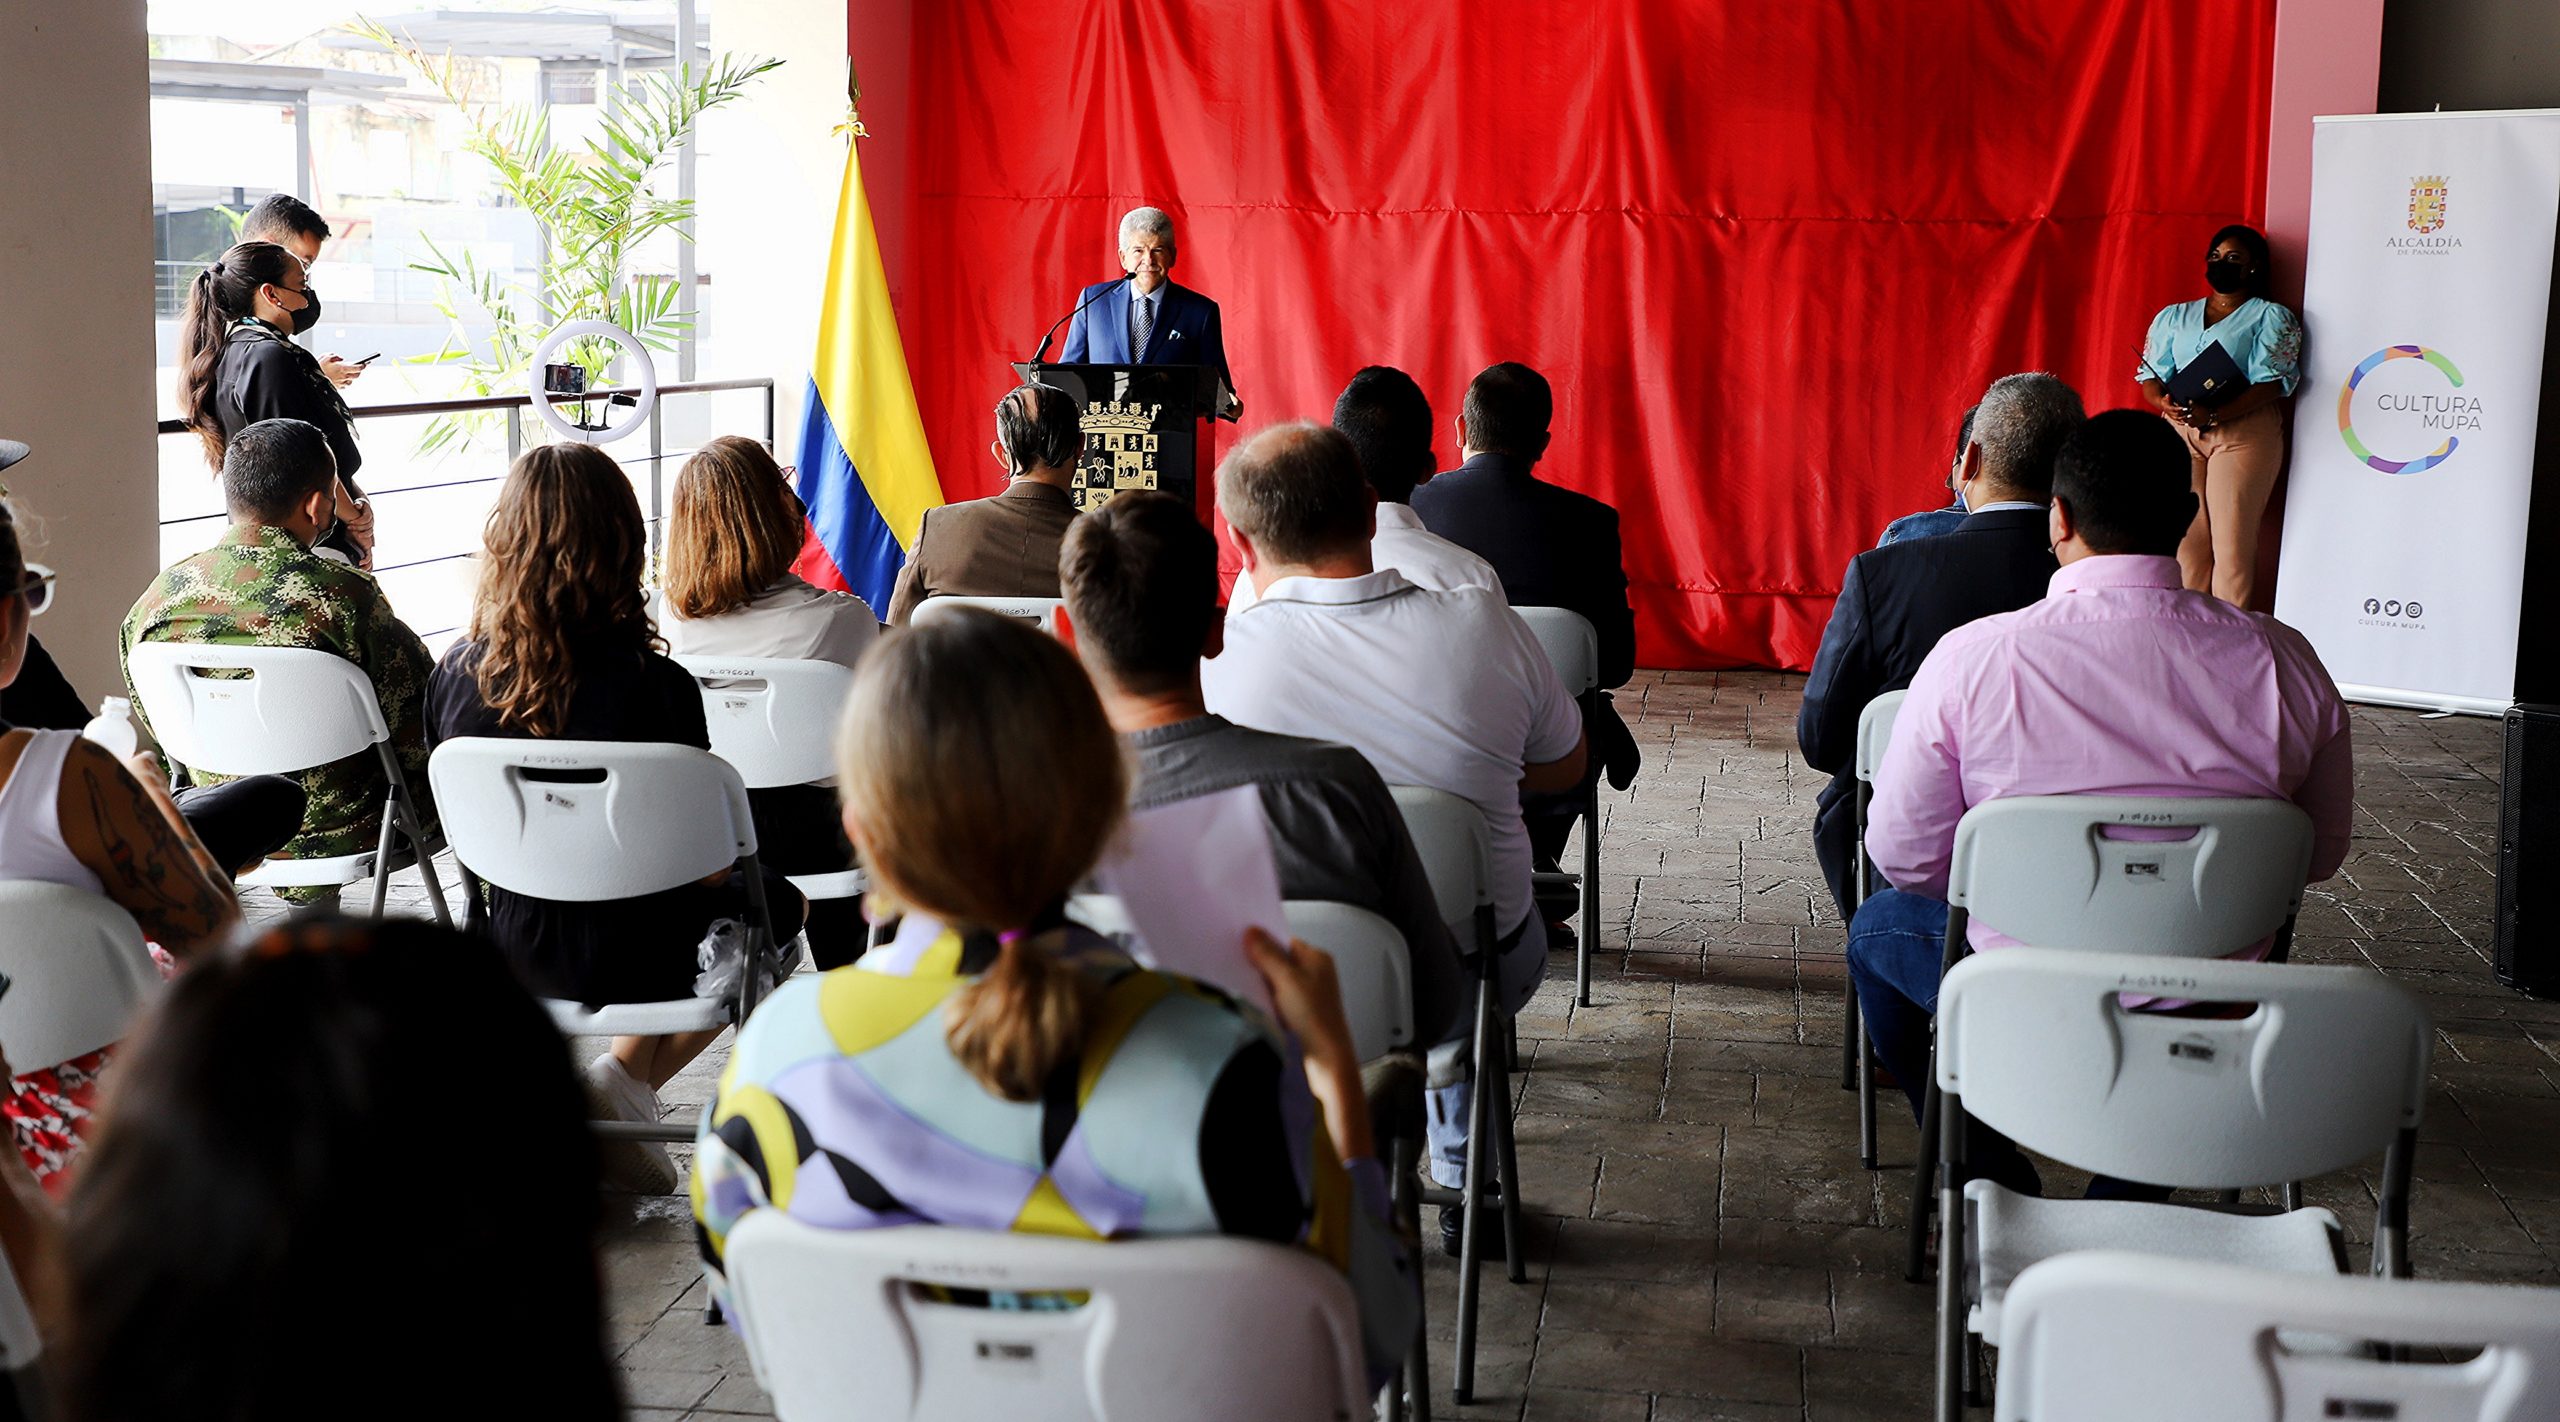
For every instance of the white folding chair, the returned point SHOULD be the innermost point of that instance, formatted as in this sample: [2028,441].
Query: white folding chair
[78,969]
[1456,849]
[1040,611]
[1857,1054]
[2043,869]
[1375,970]
[861,1325]
[1573,648]
[79,974]
[281,711]
[775,720]
[595,821]
[2327,1067]
[2103,1336]
[1370,960]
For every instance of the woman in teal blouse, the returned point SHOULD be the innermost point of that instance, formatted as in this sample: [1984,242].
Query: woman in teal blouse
[2238,444]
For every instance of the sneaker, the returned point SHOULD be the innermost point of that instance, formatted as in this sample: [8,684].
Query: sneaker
[634,1167]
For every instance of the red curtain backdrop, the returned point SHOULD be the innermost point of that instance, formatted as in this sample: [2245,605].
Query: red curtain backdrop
[1766,253]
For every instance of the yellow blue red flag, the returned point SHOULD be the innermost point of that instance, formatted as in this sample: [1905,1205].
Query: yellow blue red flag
[865,472]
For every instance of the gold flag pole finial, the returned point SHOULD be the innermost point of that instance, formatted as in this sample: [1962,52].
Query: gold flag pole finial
[852,125]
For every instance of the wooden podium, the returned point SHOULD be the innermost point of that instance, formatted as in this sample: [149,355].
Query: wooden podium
[1145,427]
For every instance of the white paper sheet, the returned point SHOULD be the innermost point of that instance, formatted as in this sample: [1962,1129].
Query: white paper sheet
[1192,876]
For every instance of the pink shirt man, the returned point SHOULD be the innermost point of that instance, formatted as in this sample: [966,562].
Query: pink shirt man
[2120,682]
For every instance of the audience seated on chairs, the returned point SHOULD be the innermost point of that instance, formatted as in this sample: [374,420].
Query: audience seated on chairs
[730,592]
[262,585]
[1444,689]
[253,1235]
[1928,523]
[70,813]
[998,1067]
[1551,547]
[1896,602]
[1141,578]
[1005,546]
[2120,682]
[1388,420]
[560,648]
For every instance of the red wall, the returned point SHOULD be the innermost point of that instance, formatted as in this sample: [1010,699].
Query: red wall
[1766,253]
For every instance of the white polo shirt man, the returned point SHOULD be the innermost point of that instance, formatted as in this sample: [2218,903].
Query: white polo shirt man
[1445,689]
[1425,558]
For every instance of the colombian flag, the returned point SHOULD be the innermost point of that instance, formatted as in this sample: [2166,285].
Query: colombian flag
[865,473]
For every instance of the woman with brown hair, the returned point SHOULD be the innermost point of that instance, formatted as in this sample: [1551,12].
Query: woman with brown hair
[731,539]
[560,648]
[1066,1090]
[237,365]
[730,592]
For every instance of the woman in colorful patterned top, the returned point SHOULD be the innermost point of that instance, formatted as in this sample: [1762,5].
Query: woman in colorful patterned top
[997,1067]
[2236,445]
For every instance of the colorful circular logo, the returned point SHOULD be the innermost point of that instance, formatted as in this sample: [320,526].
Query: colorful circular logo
[2346,410]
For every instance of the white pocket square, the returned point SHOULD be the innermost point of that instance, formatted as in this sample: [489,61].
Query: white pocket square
[1173,335]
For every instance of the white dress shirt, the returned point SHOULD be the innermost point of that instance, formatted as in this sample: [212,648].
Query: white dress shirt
[1445,689]
[1426,559]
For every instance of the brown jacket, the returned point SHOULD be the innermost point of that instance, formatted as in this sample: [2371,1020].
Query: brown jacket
[1006,546]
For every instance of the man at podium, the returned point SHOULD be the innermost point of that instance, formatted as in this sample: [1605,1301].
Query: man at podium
[1144,319]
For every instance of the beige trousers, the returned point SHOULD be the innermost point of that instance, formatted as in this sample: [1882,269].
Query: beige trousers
[2235,471]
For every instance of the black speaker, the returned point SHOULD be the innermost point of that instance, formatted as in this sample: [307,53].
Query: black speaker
[2528,941]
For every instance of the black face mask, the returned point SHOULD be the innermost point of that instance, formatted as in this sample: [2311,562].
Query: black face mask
[309,315]
[2224,275]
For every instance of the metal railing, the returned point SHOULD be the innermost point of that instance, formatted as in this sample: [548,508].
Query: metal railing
[514,408]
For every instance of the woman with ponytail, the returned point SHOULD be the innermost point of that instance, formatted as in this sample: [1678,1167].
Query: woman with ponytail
[237,365]
[964,1075]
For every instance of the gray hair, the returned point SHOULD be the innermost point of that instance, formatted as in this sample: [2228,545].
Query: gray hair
[2021,424]
[1148,221]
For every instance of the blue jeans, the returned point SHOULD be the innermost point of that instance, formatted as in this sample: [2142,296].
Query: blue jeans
[1897,943]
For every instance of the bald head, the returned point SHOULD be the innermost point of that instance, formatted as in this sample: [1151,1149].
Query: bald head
[1296,492]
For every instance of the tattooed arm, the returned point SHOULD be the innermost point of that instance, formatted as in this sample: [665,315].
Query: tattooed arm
[129,834]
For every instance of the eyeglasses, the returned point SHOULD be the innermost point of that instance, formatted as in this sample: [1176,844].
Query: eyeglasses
[37,588]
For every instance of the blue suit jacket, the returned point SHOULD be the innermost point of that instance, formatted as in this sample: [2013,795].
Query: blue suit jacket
[1187,331]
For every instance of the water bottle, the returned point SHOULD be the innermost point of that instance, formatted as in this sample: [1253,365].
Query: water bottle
[113,728]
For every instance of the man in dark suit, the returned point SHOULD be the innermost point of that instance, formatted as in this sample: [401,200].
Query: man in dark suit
[1898,600]
[1550,546]
[1144,319]
[1006,546]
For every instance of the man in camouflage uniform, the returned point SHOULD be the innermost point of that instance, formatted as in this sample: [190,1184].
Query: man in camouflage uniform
[262,585]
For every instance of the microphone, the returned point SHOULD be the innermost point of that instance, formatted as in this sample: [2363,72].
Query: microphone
[1043,353]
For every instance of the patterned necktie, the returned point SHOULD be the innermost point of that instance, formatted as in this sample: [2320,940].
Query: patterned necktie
[1142,324]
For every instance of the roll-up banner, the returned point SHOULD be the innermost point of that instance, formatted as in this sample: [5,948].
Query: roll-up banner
[2424,306]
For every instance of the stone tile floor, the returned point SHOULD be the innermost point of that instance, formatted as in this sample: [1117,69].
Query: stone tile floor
[1703,1246]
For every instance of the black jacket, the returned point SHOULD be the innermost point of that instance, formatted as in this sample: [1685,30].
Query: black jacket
[1551,547]
[272,379]
[1895,603]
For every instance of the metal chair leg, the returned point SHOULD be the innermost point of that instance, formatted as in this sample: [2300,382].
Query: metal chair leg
[1849,1037]
[1507,1172]
[1866,1098]
[2292,1195]
[1923,1191]
[1951,1302]
[1414,1378]
[1588,940]
[382,855]
[1462,1385]
[426,864]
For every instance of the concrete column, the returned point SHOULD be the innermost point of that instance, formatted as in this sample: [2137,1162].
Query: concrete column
[75,241]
